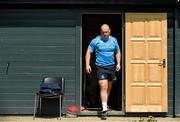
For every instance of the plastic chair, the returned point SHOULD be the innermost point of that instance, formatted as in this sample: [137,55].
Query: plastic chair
[57,84]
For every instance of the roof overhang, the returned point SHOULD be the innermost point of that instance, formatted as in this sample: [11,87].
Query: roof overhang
[121,2]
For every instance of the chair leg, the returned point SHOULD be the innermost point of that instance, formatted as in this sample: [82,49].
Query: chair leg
[40,104]
[60,107]
[35,106]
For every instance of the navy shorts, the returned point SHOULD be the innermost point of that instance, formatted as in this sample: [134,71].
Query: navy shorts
[106,73]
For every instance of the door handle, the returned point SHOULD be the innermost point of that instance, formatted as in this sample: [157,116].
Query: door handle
[7,67]
[163,63]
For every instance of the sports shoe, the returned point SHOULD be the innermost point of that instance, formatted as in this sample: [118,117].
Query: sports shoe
[105,111]
[104,114]
[108,108]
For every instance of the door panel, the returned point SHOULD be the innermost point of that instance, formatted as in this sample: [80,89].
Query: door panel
[146,67]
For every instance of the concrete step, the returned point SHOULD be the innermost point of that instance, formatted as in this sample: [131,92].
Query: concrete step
[20,118]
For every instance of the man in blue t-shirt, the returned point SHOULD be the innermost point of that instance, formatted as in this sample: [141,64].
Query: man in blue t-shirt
[104,46]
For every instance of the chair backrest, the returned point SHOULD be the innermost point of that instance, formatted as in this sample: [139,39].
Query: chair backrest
[52,83]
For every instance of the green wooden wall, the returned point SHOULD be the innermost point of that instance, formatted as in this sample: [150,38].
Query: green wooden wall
[35,43]
[177,62]
[170,46]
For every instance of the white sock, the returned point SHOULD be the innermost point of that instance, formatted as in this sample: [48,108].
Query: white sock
[104,106]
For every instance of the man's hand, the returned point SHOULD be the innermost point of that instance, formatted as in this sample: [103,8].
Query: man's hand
[88,69]
[118,60]
[88,57]
[118,67]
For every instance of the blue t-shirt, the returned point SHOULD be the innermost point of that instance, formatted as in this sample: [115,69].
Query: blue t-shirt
[104,49]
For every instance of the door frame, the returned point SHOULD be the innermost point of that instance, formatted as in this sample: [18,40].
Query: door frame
[122,14]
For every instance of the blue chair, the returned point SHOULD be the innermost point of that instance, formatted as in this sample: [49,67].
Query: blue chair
[50,88]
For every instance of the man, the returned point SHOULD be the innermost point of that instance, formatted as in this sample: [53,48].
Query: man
[104,47]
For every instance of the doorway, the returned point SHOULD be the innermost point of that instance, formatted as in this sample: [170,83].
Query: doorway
[90,88]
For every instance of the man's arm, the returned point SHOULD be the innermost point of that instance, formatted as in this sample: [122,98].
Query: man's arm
[88,58]
[118,60]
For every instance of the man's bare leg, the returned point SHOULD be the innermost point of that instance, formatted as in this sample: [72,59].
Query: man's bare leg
[104,93]
[109,87]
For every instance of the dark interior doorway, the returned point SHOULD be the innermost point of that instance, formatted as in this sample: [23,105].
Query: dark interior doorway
[90,88]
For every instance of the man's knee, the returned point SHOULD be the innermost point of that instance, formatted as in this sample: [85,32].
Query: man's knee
[103,84]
